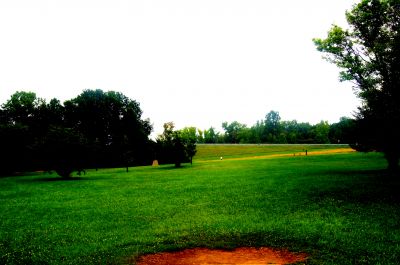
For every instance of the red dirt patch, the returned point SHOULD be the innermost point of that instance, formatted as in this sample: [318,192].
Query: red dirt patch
[239,256]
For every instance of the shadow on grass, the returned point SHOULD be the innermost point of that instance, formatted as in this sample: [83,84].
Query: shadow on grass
[42,176]
[359,186]
[22,174]
[172,167]
[228,241]
[381,174]
[52,179]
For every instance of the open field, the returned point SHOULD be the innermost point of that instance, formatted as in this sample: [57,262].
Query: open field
[206,152]
[336,206]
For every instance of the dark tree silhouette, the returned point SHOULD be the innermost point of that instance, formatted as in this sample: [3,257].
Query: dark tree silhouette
[368,54]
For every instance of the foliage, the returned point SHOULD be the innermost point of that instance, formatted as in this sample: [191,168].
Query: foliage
[343,131]
[275,131]
[232,131]
[272,127]
[105,129]
[211,136]
[368,54]
[22,128]
[176,147]
[66,150]
[95,129]
[111,122]
[321,132]
[190,137]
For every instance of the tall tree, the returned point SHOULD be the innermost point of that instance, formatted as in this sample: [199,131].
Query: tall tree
[171,146]
[21,108]
[66,150]
[321,133]
[232,131]
[368,54]
[290,129]
[342,131]
[112,124]
[210,136]
[21,130]
[189,137]
[257,132]
[272,126]
[104,126]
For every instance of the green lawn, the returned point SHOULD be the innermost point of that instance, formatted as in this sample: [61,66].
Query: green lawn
[339,208]
[215,151]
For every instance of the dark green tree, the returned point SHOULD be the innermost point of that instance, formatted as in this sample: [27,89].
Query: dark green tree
[95,129]
[272,126]
[290,129]
[232,131]
[200,136]
[15,142]
[189,137]
[368,54]
[258,132]
[342,131]
[171,147]
[21,108]
[210,136]
[66,150]
[321,133]
[112,125]
[304,133]
[21,124]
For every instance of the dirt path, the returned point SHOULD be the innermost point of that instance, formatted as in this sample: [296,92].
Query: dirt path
[239,256]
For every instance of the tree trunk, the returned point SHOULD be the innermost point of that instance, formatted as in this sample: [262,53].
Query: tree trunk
[65,173]
[393,162]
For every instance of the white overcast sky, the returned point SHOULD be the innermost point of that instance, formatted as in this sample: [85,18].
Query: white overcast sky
[196,63]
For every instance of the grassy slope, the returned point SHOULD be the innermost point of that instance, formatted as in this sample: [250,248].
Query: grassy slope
[214,152]
[336,207]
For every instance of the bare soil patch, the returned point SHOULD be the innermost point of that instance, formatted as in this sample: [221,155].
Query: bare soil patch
[239,256]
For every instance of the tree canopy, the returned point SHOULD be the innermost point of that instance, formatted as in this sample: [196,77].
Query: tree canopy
[273,130]
[95,129]
[368,54]
[176,146]
[105,129]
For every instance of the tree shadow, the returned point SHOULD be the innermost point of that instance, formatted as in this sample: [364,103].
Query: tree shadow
[171,167]
[359,186]
[55,179]
[21,174]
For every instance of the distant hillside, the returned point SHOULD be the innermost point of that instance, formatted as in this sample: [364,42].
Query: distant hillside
[226,151]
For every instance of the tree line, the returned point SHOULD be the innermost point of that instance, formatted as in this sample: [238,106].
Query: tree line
[272,130]
[100,129]
[105,129]
[94,130]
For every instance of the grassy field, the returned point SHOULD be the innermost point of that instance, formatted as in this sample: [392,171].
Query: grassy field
[228,151]
[338,207]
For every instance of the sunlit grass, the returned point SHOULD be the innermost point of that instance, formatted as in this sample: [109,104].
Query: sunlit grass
[216,151]
[339,208]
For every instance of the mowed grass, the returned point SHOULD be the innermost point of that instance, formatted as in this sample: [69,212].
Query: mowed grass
[207,152]
[338,207]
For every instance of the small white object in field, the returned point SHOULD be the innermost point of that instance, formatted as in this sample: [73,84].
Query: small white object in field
[221,158]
